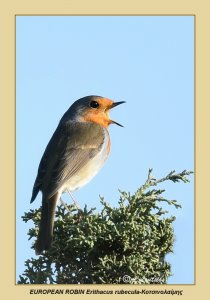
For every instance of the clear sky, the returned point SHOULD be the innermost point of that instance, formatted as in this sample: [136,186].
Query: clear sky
[147,61]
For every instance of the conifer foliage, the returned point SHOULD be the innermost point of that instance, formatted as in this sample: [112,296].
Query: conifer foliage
[118,245]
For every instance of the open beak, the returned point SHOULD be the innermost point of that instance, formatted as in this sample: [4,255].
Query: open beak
[114,104]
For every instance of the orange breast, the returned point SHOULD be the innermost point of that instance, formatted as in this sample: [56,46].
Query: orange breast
[97,117]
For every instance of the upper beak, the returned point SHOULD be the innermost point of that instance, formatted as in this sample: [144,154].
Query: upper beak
[113,105]
[117,103]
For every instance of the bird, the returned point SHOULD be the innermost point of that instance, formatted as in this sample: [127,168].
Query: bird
[75,153]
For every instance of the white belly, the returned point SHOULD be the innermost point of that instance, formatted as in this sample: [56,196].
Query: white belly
[90,169]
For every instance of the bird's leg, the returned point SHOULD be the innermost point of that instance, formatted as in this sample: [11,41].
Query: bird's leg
[75,202]
[64,204]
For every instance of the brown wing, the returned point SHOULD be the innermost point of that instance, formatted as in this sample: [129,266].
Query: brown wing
[70,148]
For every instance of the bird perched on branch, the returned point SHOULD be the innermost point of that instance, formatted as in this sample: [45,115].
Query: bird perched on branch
[76,152]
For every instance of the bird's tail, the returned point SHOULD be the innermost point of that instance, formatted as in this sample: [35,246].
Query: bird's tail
[45,234]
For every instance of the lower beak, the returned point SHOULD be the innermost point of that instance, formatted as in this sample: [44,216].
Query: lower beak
[114,104]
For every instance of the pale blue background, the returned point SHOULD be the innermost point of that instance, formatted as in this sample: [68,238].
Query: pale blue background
[147,62]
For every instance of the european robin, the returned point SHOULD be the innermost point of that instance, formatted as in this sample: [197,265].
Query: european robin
[75,153]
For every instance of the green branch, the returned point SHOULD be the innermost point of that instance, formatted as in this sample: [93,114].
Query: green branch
[130,241]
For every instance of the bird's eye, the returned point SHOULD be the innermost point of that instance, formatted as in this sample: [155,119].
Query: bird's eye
[94,104]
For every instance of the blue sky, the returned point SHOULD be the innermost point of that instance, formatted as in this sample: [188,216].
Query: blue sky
[147,61]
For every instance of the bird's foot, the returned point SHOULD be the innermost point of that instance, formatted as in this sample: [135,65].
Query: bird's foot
[72,197]
[64,204]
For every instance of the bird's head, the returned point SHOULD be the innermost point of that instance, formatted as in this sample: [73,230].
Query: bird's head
[92,109]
